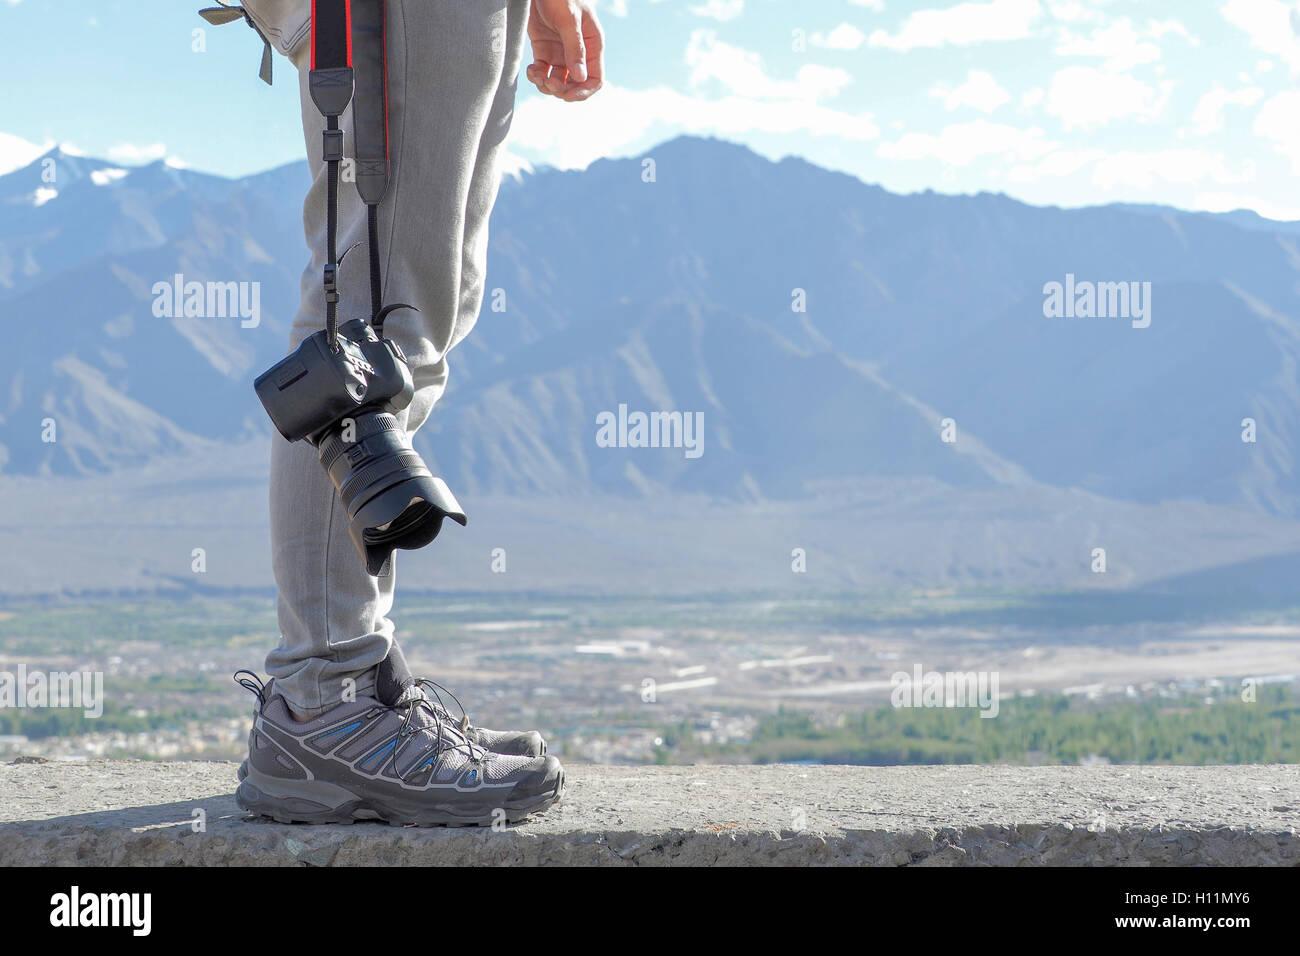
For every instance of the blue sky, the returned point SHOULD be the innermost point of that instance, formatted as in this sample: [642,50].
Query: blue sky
[1069,102]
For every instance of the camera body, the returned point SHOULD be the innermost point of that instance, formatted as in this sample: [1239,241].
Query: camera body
[316,387]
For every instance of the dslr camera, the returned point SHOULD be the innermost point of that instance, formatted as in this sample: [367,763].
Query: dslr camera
[343,399]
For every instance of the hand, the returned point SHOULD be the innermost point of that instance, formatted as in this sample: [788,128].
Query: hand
[568,49]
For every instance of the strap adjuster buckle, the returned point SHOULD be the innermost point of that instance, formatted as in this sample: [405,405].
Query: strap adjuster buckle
[331,282]
[332,145]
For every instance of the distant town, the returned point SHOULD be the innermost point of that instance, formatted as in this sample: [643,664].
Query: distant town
[634,681]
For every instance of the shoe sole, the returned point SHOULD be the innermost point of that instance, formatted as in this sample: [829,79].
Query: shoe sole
[319,802]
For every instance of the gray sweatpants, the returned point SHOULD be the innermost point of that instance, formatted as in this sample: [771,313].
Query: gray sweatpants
[452,67]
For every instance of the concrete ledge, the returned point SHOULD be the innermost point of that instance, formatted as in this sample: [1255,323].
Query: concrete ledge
[129,813]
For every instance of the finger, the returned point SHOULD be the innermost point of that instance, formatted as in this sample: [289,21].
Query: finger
[594,39]
[547,78]
[594,36]
[556,79]
[536,74]
[575,48]
[581,91]
[595,80]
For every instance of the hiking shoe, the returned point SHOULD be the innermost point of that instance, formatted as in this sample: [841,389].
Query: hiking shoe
[507,743]
[394,685]
[404,764]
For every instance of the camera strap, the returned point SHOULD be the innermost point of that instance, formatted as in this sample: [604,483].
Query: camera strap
[348,66]
[370,131]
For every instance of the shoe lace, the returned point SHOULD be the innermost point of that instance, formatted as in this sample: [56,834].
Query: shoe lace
[441,716]
[432,686]
[253,684]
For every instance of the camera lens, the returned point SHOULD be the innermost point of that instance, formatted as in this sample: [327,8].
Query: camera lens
[393,500]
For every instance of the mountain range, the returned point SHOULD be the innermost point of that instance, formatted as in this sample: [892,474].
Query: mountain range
[843,345]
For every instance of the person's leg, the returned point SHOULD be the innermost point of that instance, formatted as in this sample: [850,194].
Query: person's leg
[451,75]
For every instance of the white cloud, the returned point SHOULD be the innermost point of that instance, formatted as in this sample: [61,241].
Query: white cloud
[1208,116]
[105,177]
[1118,45]
[748,101]
[1141,170]
[962,143]
[962,25]
[1131,170]
[513,165]
[980,91]
[1055,165]
[15,152]
[616,120]
[615,8]
[1268,207]
[1270,24]
[1158,29]
[134,153]
[1084,97]
[1073,11]
[844,37]
[741,71]
[722,10]
[1277,123]
[876,6]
